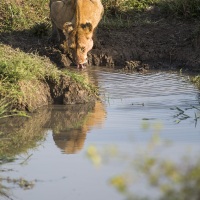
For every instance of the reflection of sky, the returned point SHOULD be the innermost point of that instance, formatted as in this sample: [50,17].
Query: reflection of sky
[63,176]
[132,99]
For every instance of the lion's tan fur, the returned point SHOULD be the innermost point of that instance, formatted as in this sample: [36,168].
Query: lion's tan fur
[78,20]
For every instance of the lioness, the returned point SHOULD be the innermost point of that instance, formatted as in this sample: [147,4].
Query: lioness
[77,19]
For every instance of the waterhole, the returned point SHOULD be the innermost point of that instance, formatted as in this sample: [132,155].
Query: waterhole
[133,143]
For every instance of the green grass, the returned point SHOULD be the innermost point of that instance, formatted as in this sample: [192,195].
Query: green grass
[127,5]
[17,67]
[22,15]
[123,13]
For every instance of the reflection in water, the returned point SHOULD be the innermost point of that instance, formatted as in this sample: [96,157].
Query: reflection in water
[71,135]
[69,124]
[18,134]
[135,101]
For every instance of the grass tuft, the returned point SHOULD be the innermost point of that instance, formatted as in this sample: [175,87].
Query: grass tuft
[21,14]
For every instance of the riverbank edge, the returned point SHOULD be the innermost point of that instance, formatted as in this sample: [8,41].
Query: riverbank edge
[29,81]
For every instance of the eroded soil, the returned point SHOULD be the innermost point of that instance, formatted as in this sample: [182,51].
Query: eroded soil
[160,44]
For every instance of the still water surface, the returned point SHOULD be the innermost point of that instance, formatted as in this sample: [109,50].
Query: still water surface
[135,107]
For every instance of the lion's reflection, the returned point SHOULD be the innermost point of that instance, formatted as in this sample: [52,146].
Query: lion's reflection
[71,126]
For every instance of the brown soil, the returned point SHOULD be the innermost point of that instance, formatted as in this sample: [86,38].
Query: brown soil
[164,43]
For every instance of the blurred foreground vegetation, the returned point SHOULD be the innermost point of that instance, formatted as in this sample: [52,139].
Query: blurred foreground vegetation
[160,175]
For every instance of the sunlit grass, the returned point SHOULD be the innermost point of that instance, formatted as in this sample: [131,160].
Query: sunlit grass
[18,68]
[15,67]
[18,15]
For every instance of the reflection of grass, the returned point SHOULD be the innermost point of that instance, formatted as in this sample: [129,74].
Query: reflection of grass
[19,134]
[196,81]
[22,183]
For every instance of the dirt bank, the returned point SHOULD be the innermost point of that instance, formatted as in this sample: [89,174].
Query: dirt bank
[65,92]
[155,42]
[163,43]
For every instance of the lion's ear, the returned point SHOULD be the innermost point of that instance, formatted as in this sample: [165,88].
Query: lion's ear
[87,27]
[67,28]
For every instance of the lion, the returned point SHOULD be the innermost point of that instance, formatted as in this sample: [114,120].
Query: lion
[71,139]
[75,22]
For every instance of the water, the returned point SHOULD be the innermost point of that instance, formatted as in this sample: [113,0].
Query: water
[141,114]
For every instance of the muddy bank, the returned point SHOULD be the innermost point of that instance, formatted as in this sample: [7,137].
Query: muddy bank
[65,92]
[159,44]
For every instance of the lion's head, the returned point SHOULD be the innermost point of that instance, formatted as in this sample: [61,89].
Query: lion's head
[79,41]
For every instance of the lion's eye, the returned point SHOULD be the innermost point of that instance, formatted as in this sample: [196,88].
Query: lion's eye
[83,49]
[71,47]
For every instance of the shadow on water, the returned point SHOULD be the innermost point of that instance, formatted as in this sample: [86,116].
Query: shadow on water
[70,126]
[18,134]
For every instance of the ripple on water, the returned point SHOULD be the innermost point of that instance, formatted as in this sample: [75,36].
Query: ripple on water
[132,98]
[152,89]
